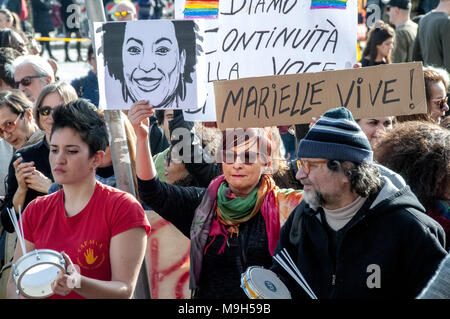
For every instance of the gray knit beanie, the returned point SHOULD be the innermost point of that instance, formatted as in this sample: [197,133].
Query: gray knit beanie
[336,136]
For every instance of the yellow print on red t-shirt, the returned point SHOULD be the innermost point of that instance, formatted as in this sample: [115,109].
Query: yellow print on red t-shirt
[91,254]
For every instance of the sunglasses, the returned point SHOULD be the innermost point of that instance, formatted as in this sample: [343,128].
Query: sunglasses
[248,158]
[45,110]
[306,165]
[26,81]
[441,102]
[124,14]
[10,126]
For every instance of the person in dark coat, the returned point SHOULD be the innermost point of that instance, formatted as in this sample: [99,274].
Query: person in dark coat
[42,22]
[87,86]
[355,235]
[70,27]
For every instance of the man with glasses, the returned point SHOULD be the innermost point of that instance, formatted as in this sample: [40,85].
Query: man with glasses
[124,11]
[31,74]
[355,234]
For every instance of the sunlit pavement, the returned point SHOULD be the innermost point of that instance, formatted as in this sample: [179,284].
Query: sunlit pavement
[68,71]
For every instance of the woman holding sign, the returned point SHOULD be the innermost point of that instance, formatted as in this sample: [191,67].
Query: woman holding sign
[232,224]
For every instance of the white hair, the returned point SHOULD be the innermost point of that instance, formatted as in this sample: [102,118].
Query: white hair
[129,4]
[38,63]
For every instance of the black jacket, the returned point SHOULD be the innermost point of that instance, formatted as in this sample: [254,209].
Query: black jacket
[38,153]
[221,273]
[390,237]
[42,16]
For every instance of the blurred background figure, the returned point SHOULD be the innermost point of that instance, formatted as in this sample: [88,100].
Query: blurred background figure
[87,86]
[379,45]
[399,12]
[124,11]
[70,27]
[42,23]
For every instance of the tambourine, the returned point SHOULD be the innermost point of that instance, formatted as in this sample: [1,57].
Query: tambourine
[34,272]
[260,283]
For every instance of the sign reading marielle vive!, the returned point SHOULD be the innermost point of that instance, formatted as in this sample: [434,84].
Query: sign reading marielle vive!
[384,90]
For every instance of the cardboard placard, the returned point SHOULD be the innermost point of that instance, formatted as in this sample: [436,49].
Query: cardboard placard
[384,90]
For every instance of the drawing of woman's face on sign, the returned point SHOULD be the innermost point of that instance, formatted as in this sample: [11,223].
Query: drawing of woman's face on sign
[152,61]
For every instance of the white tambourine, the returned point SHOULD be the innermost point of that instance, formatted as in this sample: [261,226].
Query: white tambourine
[34,272]
[260,283]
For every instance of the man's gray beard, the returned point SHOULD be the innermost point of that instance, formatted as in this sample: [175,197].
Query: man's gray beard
[313,198]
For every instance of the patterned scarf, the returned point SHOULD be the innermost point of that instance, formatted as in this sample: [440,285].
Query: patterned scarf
[275,204]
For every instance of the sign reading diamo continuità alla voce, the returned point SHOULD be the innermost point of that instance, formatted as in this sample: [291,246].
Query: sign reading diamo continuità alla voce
[252,38]
[384,90]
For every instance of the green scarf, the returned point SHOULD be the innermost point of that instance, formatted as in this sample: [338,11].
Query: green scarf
[237,209]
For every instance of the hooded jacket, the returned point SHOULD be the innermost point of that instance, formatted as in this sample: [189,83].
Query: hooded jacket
[389,249]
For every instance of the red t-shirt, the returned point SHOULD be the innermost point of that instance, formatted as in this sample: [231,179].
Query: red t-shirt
[86,236]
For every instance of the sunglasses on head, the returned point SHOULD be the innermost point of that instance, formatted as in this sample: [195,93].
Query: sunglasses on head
[122,13]
[27,80]
[45,110]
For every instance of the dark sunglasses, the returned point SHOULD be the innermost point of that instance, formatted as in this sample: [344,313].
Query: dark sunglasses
[45,110]
[230,157]
[27,80]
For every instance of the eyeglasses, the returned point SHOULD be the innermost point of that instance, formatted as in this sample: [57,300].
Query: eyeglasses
[26,81]
[306,165]
[248,157]
[124,14]
[10,126]
[45,110]
[441,102]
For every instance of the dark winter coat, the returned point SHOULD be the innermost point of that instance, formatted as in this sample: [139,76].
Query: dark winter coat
[389,249]
[42,16]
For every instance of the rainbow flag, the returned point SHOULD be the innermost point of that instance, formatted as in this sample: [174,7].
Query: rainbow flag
[328,4]
[203,9]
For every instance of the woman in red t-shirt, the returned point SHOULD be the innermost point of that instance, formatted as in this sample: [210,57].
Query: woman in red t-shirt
[94,225]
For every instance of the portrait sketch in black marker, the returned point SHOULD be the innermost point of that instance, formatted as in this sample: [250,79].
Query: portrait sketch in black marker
[153,61]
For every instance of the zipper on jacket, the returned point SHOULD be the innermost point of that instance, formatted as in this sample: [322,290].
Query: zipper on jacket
[333,279]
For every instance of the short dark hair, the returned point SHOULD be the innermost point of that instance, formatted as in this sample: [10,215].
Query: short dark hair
[7,57]
[82,116]
[114,32]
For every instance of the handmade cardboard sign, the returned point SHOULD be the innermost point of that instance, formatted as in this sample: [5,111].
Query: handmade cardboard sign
[384,90]
[273,37]
[158,66]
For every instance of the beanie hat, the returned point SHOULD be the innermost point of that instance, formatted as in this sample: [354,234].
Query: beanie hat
[402,4]
[336,136]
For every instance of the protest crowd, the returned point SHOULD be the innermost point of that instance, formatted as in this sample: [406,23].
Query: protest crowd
[358,206]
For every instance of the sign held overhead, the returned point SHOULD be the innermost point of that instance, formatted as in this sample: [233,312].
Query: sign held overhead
[384,90]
